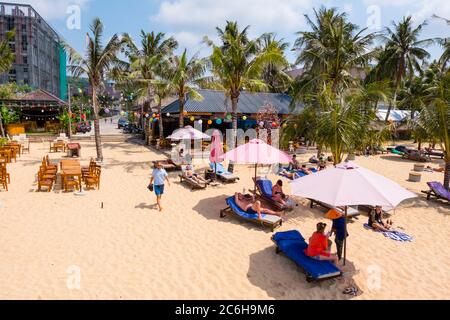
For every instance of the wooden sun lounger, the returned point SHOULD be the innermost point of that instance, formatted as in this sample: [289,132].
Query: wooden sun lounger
[273,222]
[194,184]
[168,165]
[351,214]
[437,191]
[278,206]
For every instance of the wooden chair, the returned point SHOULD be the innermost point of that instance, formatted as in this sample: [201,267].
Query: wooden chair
[87,170]
[49,164]
[12,153]
[4,171]
[53,148]
[70,183]
[26,146]
[93,179]
[47,174]
[43,182]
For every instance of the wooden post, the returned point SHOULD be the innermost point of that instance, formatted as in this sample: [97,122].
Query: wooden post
[345,239]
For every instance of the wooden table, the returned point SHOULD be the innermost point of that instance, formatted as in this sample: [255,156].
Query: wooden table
[71,168]
[16,146]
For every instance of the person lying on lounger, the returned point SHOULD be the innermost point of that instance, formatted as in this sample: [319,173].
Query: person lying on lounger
[278,194]
[253,207]
[190,173]
[435,169]
[305,170]
[376,220]
[290,175]
[319,247]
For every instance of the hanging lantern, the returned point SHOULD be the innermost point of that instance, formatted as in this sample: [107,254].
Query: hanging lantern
[210,122]
[192,119]
[261,124]
[219,121]
[244,118]
[147,115]
[200,121]
[168,114]
[107,110]
[285,125]
[155,120]
[185,113]
[229,117]
[151,119]
[154,115]
[274,124]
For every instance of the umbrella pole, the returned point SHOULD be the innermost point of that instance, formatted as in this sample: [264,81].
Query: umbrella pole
[256,173]
[345,239]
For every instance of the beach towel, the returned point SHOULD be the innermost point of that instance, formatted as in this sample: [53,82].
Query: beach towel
[394,235]
[266,187]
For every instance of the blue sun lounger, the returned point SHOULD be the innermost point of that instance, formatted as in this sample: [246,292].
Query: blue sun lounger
[223,174]
[292,244]
[270,221]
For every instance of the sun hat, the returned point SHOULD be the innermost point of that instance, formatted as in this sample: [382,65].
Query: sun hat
[333,214]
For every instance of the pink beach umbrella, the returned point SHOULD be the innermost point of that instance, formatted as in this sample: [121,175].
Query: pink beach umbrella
[188,133]
[350,185]
[216,154]
[257,152]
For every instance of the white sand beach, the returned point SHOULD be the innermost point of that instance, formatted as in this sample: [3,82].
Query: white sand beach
[129,250]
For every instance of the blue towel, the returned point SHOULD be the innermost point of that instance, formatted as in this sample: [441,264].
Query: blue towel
[266,187]
[293,245]
[394,235]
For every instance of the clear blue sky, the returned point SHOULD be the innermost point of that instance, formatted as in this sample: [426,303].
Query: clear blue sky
[190,20]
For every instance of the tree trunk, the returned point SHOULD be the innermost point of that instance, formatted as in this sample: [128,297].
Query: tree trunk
[388,114]
[447,175]
[98,138]
[181,98]
[147,124]
[160,123]
[234,107]
[2,130]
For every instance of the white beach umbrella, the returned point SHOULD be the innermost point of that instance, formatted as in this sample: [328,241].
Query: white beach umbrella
[188,133]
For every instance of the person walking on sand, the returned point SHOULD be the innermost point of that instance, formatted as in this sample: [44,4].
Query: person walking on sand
[159,176]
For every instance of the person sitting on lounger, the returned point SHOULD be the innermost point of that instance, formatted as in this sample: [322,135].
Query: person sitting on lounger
[278,194]
[190,173]
[322,164]
[294,165]
[319,247]
[376,220]
[252,207]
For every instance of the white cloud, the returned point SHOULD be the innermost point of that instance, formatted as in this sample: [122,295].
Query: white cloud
[52,9]
[190,20]
[419,9]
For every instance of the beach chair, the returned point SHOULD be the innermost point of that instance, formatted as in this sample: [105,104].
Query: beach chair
[415,155]
[351,212]
[270,221]
[43,182]
[293,245]
[92,179]
[168,165]
[191,182]
[223,174]
[264,191]
[437,191]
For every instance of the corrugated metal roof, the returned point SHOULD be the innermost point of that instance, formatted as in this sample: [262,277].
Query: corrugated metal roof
[217,102]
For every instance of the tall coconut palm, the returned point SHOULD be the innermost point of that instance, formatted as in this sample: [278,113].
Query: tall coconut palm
[186,76]
[274,75]
[332,50]
[145,62]
[435,116]
[404,53]
[98,60]
[7,58]
[238,62]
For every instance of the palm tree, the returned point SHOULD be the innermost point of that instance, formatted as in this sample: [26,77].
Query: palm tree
[274,75]
[445,43]
[237,64]
[7,58]
[404,53]
[98,60]
[145,62]
[435,116]
[332,50]
[187,74]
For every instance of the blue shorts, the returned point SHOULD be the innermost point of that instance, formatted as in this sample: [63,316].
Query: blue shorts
[159,190]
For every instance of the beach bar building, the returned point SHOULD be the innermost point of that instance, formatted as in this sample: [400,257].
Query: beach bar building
[38,111]
[215,110]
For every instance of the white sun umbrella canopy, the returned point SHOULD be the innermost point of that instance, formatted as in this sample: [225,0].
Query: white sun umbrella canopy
[350,185]
[188,133]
